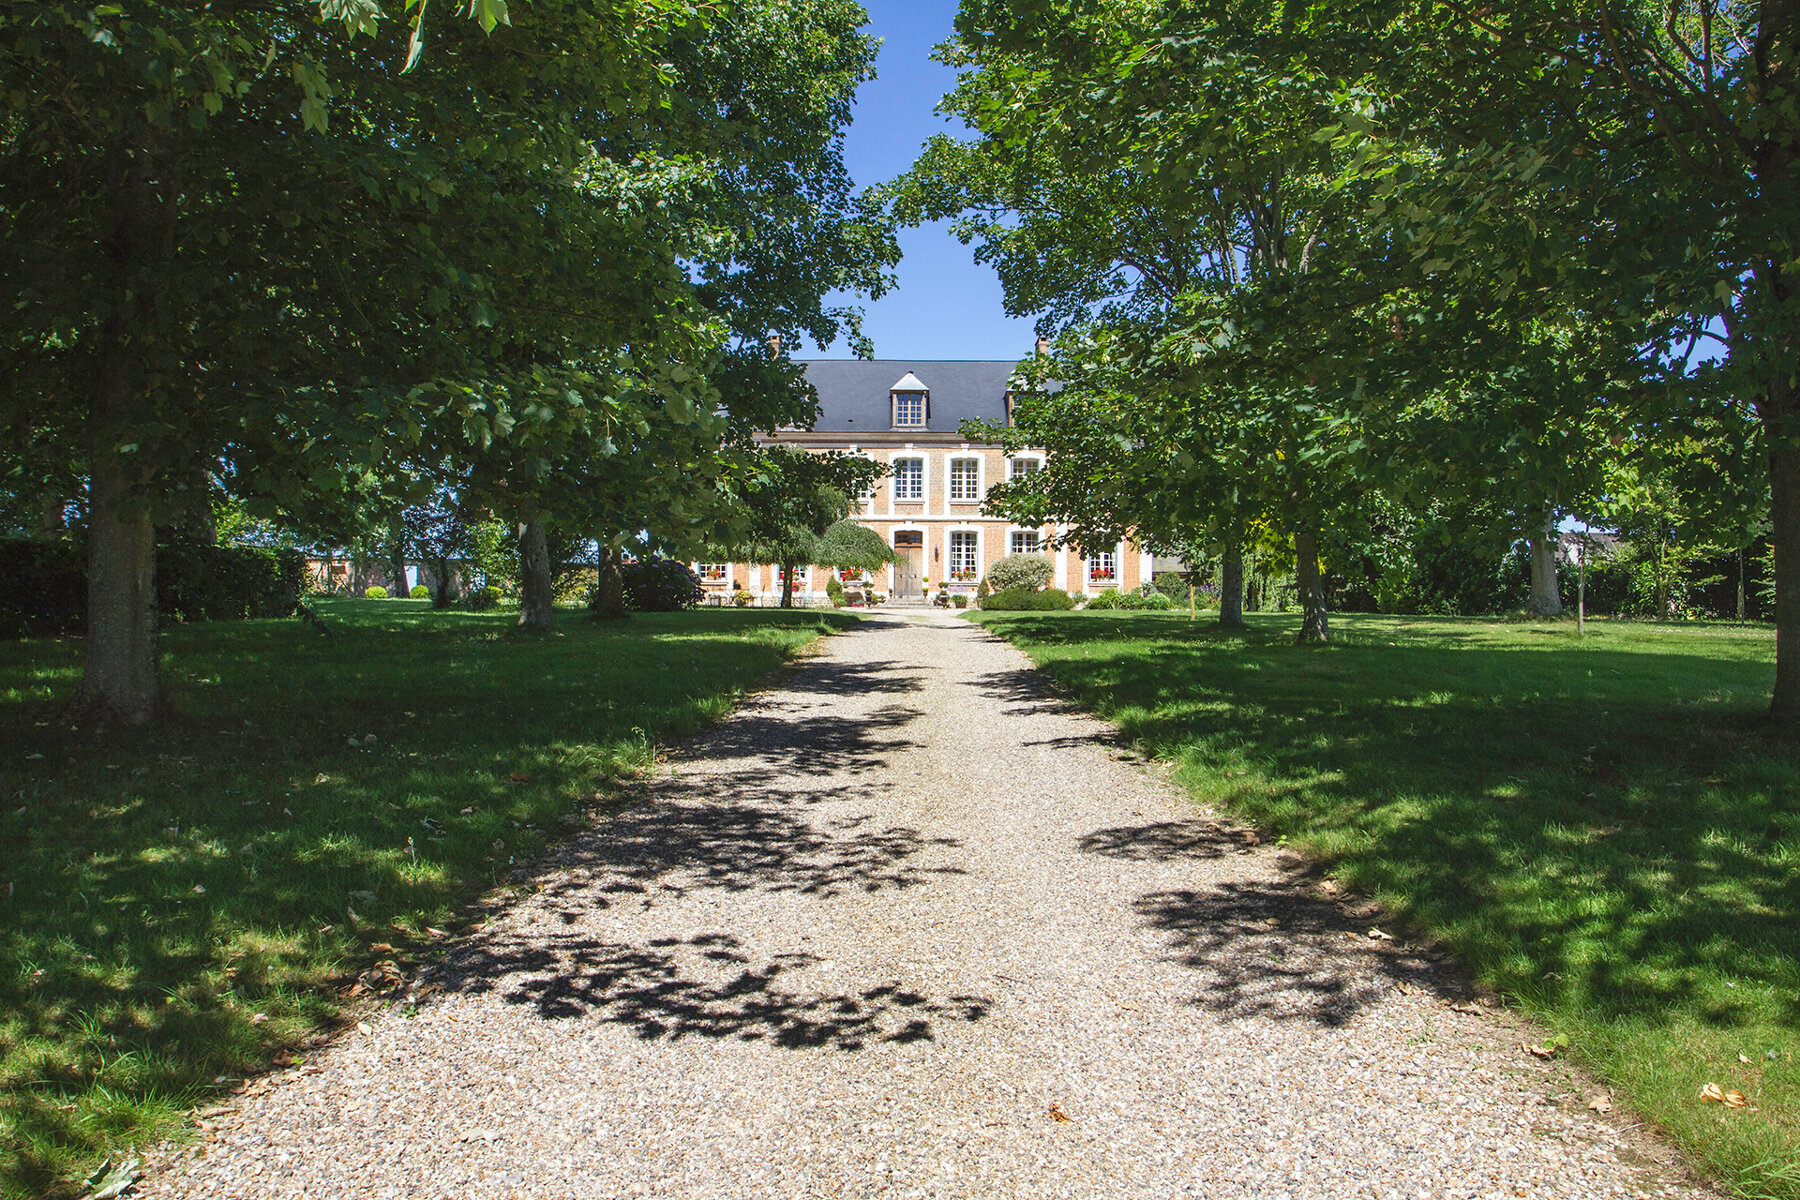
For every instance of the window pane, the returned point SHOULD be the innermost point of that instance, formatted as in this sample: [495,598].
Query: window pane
[962,555]
[712,572]
[909,408]
[1024,542]
[964,473]
[1101,568]
[1024,466]
[909,479]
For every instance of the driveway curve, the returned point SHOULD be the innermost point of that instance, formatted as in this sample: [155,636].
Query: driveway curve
[906,925]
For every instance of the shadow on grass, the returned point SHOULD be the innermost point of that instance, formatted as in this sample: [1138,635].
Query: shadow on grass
[315,804]
[1590,824]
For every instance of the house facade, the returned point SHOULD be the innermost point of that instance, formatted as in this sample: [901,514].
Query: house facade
[907,414]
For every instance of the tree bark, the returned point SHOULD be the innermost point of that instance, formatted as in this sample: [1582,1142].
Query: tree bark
[787,585]
[537,599]
[120,674]
[396,549]
[608,603]
[120,680]
[1784,487]
[1315,624]
[1231,587]
[443,592]
[1546,594]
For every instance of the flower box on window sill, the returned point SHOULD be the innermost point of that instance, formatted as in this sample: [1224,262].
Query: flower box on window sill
[962,576]
[1100,577]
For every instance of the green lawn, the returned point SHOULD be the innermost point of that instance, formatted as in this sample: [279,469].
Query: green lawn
[181,906]
[1599,828]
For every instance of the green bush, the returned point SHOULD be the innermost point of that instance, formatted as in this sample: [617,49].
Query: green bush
[375,592]
[660,585]
[1172,584]
[1017,571]
[1028,600]
[420,592]
[985,590]
[1156,601]
[835,590]
[482,599]
[46,590]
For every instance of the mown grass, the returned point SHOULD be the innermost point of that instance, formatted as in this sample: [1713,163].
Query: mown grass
[1600,828]
[181,906]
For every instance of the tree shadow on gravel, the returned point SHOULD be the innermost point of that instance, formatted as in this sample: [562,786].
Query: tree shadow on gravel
[832,678]
[704,986]
[809,745]
[1265,947]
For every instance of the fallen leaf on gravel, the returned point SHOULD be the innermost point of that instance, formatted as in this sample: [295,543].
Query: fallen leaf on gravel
[284,1059]
[1463,1006]
[1538,1051]
[1057,1113]
[1329,887]
[1601,1103]
[382,948]
[112,1179]
[1380,936]
[434,931]
[1712,1093]
[363,1027]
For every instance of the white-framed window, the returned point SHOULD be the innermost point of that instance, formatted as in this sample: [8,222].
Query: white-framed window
[713,572]
[965,479]
[965,556]
[909,410]
[1021,467]
[909,479]
[1022,541]
[1103,569]
[802,577]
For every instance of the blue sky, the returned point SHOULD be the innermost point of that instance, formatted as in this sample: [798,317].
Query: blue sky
[946,306]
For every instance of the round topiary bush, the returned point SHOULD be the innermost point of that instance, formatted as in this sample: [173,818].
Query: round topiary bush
[375,593]
[483,599]
[1016,571]
[660,585]
[420,592]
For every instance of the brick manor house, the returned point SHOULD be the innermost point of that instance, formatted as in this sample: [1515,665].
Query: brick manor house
[907,413]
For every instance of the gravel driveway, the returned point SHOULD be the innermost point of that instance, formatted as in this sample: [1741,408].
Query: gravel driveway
[908,926]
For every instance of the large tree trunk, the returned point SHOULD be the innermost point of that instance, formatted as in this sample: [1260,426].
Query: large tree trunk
[1315,623]
[787,585]
[443,592]
[120,676]
[608,602]
[120,679]
[537,597]
[396,550]
[1784,487]
[1546,595]
[1231,587]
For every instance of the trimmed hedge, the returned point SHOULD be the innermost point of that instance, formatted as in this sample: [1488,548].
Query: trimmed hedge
[1156,601]
[1019,571]
[46,592]
[1027,600]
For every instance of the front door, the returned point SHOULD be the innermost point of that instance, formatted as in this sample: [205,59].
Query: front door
[910,546]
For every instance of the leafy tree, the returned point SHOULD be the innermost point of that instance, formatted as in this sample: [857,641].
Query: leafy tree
[794,507]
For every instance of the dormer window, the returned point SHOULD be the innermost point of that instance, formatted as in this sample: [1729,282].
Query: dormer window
[911,402]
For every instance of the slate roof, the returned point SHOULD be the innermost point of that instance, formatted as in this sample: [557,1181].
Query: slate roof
[853,393]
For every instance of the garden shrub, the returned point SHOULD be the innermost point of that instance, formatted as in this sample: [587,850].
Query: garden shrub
[1172,584]
[1136,601]
[483,599]
[420,592]
[986,589]
[1017,571]
[1029,600]
[660,585]
[835,590]
[1111,599]
[375,592]
[46,592]
[742,598]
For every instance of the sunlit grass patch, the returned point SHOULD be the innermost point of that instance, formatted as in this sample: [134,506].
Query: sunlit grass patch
[178,906]
[1598,826]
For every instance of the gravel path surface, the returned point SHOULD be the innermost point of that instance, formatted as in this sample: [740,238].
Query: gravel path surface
[908,926]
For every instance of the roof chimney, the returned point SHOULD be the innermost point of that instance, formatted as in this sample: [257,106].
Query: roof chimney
[1043,347]
[775,345]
